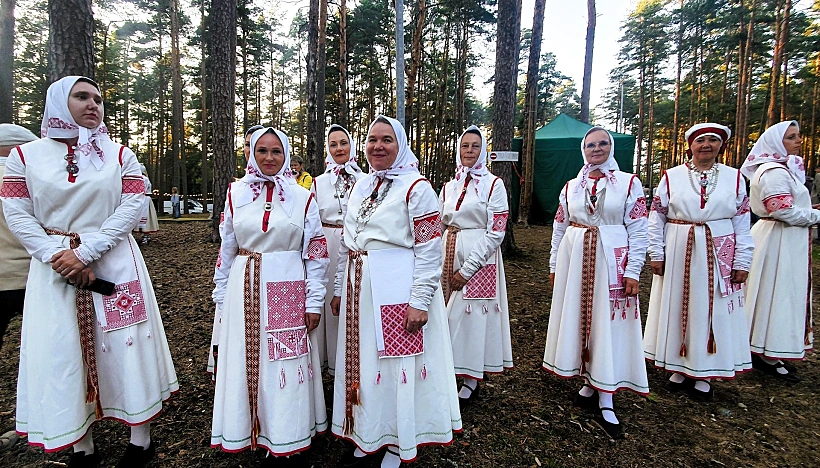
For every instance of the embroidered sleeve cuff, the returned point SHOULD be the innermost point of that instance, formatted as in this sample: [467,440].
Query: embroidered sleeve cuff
[313,310]
[632,275]
[80,256]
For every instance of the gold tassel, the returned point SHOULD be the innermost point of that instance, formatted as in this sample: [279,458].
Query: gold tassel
[355,397]
[683,350]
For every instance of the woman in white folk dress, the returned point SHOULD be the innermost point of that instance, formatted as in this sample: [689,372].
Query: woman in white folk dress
[218,294]
[599,244]
[332,190]
[700,250]
[270,284]
[474,211]
[147,224]
[395,385]
[73,198]
[778,296]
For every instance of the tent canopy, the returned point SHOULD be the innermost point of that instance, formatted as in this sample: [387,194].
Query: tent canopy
[558,159]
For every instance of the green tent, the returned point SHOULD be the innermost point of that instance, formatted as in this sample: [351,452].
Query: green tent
[558,159]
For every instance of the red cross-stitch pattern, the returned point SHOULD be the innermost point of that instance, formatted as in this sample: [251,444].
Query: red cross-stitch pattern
[778,202]
[14,187]
[616,289]
[398,341]
[427,227]
[287,344]
[744,207]
[560,216]
[657,206]
[219,259]
[317,248]
[500,221]
[725,256]
[482,284]
[125,307]
[133,184]
[639,210]
[55,122]
[286,304]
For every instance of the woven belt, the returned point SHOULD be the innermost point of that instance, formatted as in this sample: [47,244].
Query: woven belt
[711,346]
[587,287]
[85,322]
[449,261]
[253,311]
[352,362]
[332,226]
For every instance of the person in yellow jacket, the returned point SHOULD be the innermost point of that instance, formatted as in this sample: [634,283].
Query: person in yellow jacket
[297,166]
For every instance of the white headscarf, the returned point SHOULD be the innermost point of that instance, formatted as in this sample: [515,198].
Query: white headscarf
[477,172]
[770,148]
[255,179]
[332,167]
[58,123]
[13,135]
[607,167]
[722,132]
[405,163]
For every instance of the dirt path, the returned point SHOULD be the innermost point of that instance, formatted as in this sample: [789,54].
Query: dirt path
[524,418]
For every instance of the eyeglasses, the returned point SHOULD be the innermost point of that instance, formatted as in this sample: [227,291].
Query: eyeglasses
[602,144]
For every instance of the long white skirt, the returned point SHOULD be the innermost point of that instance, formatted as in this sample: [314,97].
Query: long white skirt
[616,357]
[135,370]
[422,411]
[325,335]
[663,333]
[290,412]
[481,337]
[777,291]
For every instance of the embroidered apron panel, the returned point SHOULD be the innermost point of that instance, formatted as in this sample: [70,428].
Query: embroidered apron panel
[482,285]
[286,304]
[288,344]
[616,289]
[398,342]
[125,307]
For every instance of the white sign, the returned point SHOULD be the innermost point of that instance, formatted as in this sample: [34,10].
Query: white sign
[505,156]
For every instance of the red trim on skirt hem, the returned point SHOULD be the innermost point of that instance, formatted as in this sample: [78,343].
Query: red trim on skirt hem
[379,449]
[589,384]
[737,372]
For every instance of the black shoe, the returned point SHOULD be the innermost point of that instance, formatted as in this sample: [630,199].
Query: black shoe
[614,431]
[698,395]
[771,369]
[586,402]
[136,456]
[81,460]
[349,460]
[677,387]
[463,402]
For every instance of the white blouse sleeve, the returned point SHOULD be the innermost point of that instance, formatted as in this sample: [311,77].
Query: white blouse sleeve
[119,225]
[744,243]
[777,192]
[315,256]
[497,213]
[559,226]
[19,212]
[657,220]
[227,251]
[637,229]
[425,219]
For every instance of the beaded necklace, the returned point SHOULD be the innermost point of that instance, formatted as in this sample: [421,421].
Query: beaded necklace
[369,205]
[707,183]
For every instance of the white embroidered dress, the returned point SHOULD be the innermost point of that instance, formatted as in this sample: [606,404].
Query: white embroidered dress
[478,315]
[408,397]
[133,362]
[332,208]
[681,342]
[148,216]
[289,401]
[778,299]
[614,325]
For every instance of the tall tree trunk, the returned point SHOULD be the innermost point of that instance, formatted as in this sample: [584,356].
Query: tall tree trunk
[415,62]
[641,112]
[508,38]
[343,63]
[223,91]
[317,159]
[782,37]
[177,123]
[7,60]
[312,59]
[463,52]
[70,39]
[531,107]
[650,146]
[785,88]
[590,42]
[203,185]
[676,116]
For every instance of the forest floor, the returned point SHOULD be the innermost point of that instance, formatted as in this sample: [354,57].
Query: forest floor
[524,417]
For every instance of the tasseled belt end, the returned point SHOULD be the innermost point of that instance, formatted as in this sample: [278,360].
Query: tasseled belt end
[585,355]
[255,432]
[355,396]
[711,345]
[683,350]
[347,425]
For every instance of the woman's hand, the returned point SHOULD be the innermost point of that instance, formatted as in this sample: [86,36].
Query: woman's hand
[657,267]
[312,321]
[739,276]
[552,280]
[631,287]
[457,281]
[66,264]
[335,304]
[414,319]
[84,278]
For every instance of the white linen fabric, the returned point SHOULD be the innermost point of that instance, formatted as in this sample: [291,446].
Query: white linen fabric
[727,214]
[615,353]
[769,148]
[778,297]
[134,364]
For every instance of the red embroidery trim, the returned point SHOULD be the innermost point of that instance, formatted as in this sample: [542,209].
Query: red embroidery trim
[133,184]
[427,227]
[560,216]
[500,221]
[317,248]
[657,206]
[744,207]
[122,148]
[14,187]
[20,152]
[307,205]
[778,202]
[268,200]
[639,209]
[397,340]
